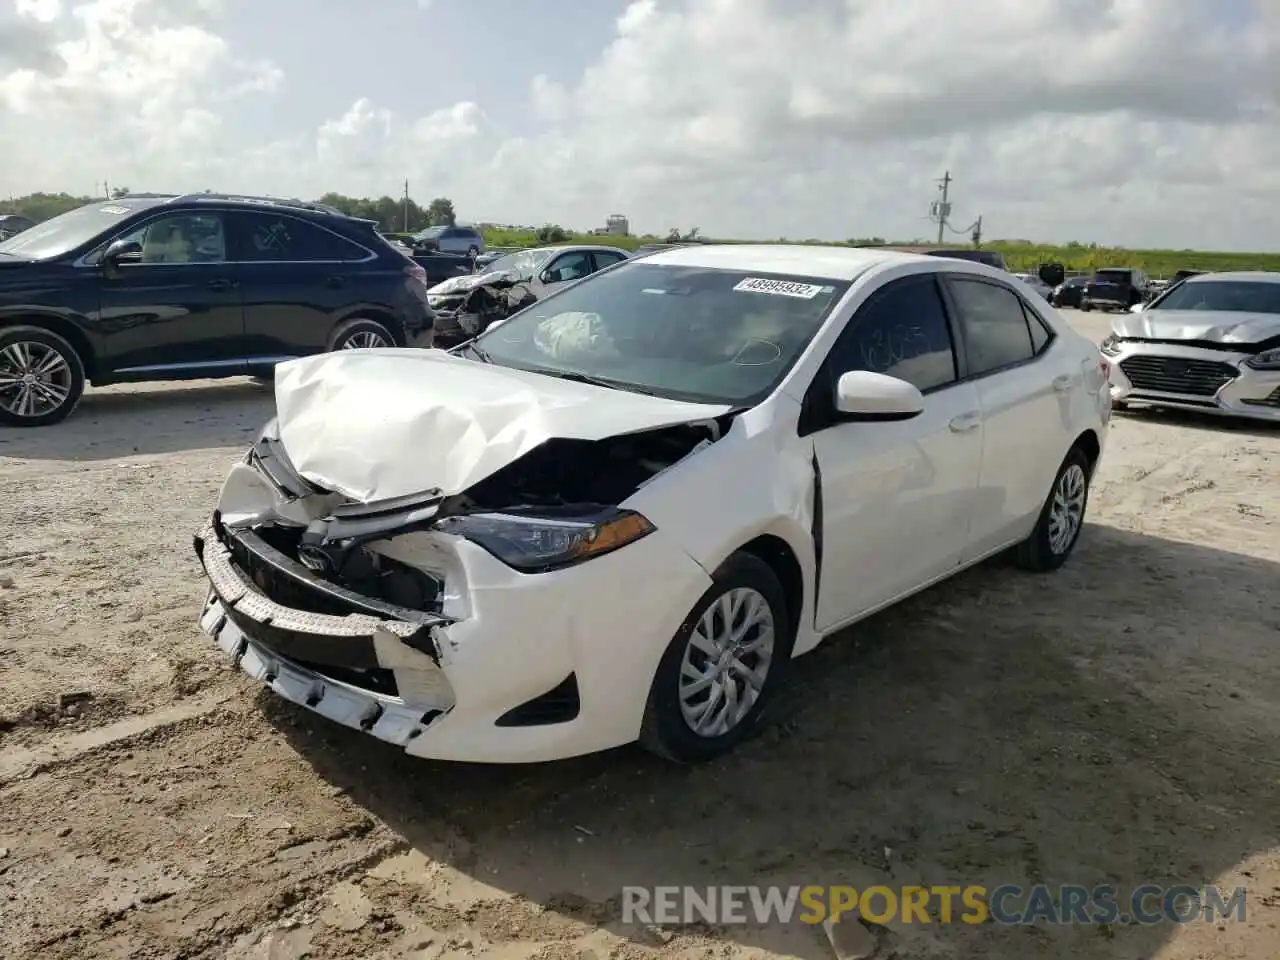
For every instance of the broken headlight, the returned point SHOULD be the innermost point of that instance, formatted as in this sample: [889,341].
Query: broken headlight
[538,543]
[1266,360]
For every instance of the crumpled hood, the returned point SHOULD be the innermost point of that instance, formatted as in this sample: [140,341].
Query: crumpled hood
[466,282]
[378,424]
[1215,326]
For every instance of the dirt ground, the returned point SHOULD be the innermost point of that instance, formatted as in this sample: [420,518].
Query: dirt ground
[1115,722]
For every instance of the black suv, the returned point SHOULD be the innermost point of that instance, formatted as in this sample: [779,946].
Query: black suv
[1115,288]
[184,287]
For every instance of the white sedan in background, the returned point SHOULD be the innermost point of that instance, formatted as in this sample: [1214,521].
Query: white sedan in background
[619,514]
[1211,343]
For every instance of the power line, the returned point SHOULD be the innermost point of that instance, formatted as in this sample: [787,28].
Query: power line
[940,213]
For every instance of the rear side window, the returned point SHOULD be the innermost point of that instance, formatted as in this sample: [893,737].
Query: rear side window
[901,331]
[606,258]
[267,237]
[996,330]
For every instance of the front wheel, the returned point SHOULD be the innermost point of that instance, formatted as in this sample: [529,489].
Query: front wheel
[1061,518]
[41,377]
[1086,307]
[722,666]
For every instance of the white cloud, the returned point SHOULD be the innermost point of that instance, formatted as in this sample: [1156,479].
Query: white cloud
[1135,121]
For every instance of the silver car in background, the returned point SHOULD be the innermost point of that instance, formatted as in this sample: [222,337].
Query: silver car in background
[1210,343]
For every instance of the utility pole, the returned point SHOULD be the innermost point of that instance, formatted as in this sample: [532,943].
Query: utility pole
[940,210]
[977,234]
[406,205]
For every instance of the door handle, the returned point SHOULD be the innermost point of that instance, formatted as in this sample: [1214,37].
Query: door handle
[222,283]
[966,422]
[334,283]
[1063,383]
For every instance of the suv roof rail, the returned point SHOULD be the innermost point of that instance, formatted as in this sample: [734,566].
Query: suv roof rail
[313,206]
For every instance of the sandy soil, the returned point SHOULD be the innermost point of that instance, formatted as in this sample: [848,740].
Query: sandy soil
[1116,722]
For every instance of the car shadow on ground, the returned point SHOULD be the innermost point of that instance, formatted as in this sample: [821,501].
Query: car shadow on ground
[127,422]
[1104,724]
[1204,422]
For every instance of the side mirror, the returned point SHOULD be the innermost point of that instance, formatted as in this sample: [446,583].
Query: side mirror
[1053,274]
[877,398]
[548,276]
[1137,308]
[121,252]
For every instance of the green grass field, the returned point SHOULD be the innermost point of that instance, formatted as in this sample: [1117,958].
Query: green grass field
[1019,256]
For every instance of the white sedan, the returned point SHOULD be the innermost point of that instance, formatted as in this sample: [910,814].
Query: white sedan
[618,514]
[1211,343]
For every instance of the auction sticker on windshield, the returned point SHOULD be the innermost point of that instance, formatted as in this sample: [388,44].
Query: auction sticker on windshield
[781,288]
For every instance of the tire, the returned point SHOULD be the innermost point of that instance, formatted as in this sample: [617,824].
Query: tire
[665,730]
[37,347]
[1043,552]
[359,333]
[1086,307]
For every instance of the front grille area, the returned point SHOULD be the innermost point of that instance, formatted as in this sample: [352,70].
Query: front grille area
[1195,378]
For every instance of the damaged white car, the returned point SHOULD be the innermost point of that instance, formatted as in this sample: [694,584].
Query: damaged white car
[618,514]
[1211,343]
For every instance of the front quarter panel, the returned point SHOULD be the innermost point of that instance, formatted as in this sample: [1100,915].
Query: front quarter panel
[757,480]
[58,292]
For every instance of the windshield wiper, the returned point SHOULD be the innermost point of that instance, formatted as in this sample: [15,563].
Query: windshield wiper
[479,352]
[599,382]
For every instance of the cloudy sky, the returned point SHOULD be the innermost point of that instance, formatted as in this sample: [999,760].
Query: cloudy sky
[1137,122]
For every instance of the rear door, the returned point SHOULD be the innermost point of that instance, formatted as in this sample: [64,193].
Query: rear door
[298,280]
[176,311]
[1024,387]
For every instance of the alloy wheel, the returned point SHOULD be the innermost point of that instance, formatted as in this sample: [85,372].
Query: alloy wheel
[726,662]
[365,340]
[35,379]
[1066,512]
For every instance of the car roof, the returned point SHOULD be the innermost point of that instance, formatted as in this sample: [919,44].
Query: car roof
[1246,276]
[795,259]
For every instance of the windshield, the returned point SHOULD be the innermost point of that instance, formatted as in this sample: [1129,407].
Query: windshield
[1235,296]
[66,231]
[687,333]
[523,265]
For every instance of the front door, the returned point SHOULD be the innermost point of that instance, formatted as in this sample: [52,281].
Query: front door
[563,269]
[298,281]
[176,312]
[895,496]
[1024,388]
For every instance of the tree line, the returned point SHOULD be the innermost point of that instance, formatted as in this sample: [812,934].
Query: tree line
[393,215]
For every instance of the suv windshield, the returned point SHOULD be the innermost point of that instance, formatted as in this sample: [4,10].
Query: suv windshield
[687,333]
[1235,296]
[66,231]
[522,265]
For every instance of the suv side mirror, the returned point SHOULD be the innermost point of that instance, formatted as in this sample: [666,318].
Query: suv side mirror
[549,276]
[120,253]
[876,398]
[1053,274]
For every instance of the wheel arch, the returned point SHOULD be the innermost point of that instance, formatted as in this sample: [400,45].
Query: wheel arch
[778,555]
[67,330]
[1089,444]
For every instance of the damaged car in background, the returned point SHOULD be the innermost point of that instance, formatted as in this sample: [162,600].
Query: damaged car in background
[618,514]
[1209,343]
[466,306]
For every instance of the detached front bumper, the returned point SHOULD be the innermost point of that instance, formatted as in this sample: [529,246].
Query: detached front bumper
[516,668]
[1193,378]
[303,655]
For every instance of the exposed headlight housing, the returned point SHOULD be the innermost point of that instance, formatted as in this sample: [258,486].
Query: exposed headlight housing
[1111,345]
[1266,360]
[534,543]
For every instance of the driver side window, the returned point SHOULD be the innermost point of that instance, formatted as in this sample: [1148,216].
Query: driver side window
[571,266]
[181,238]
[902,331]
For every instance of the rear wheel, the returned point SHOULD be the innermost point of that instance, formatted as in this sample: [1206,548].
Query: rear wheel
[41,377]
[360,334]
[722,666]
[1061,518]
